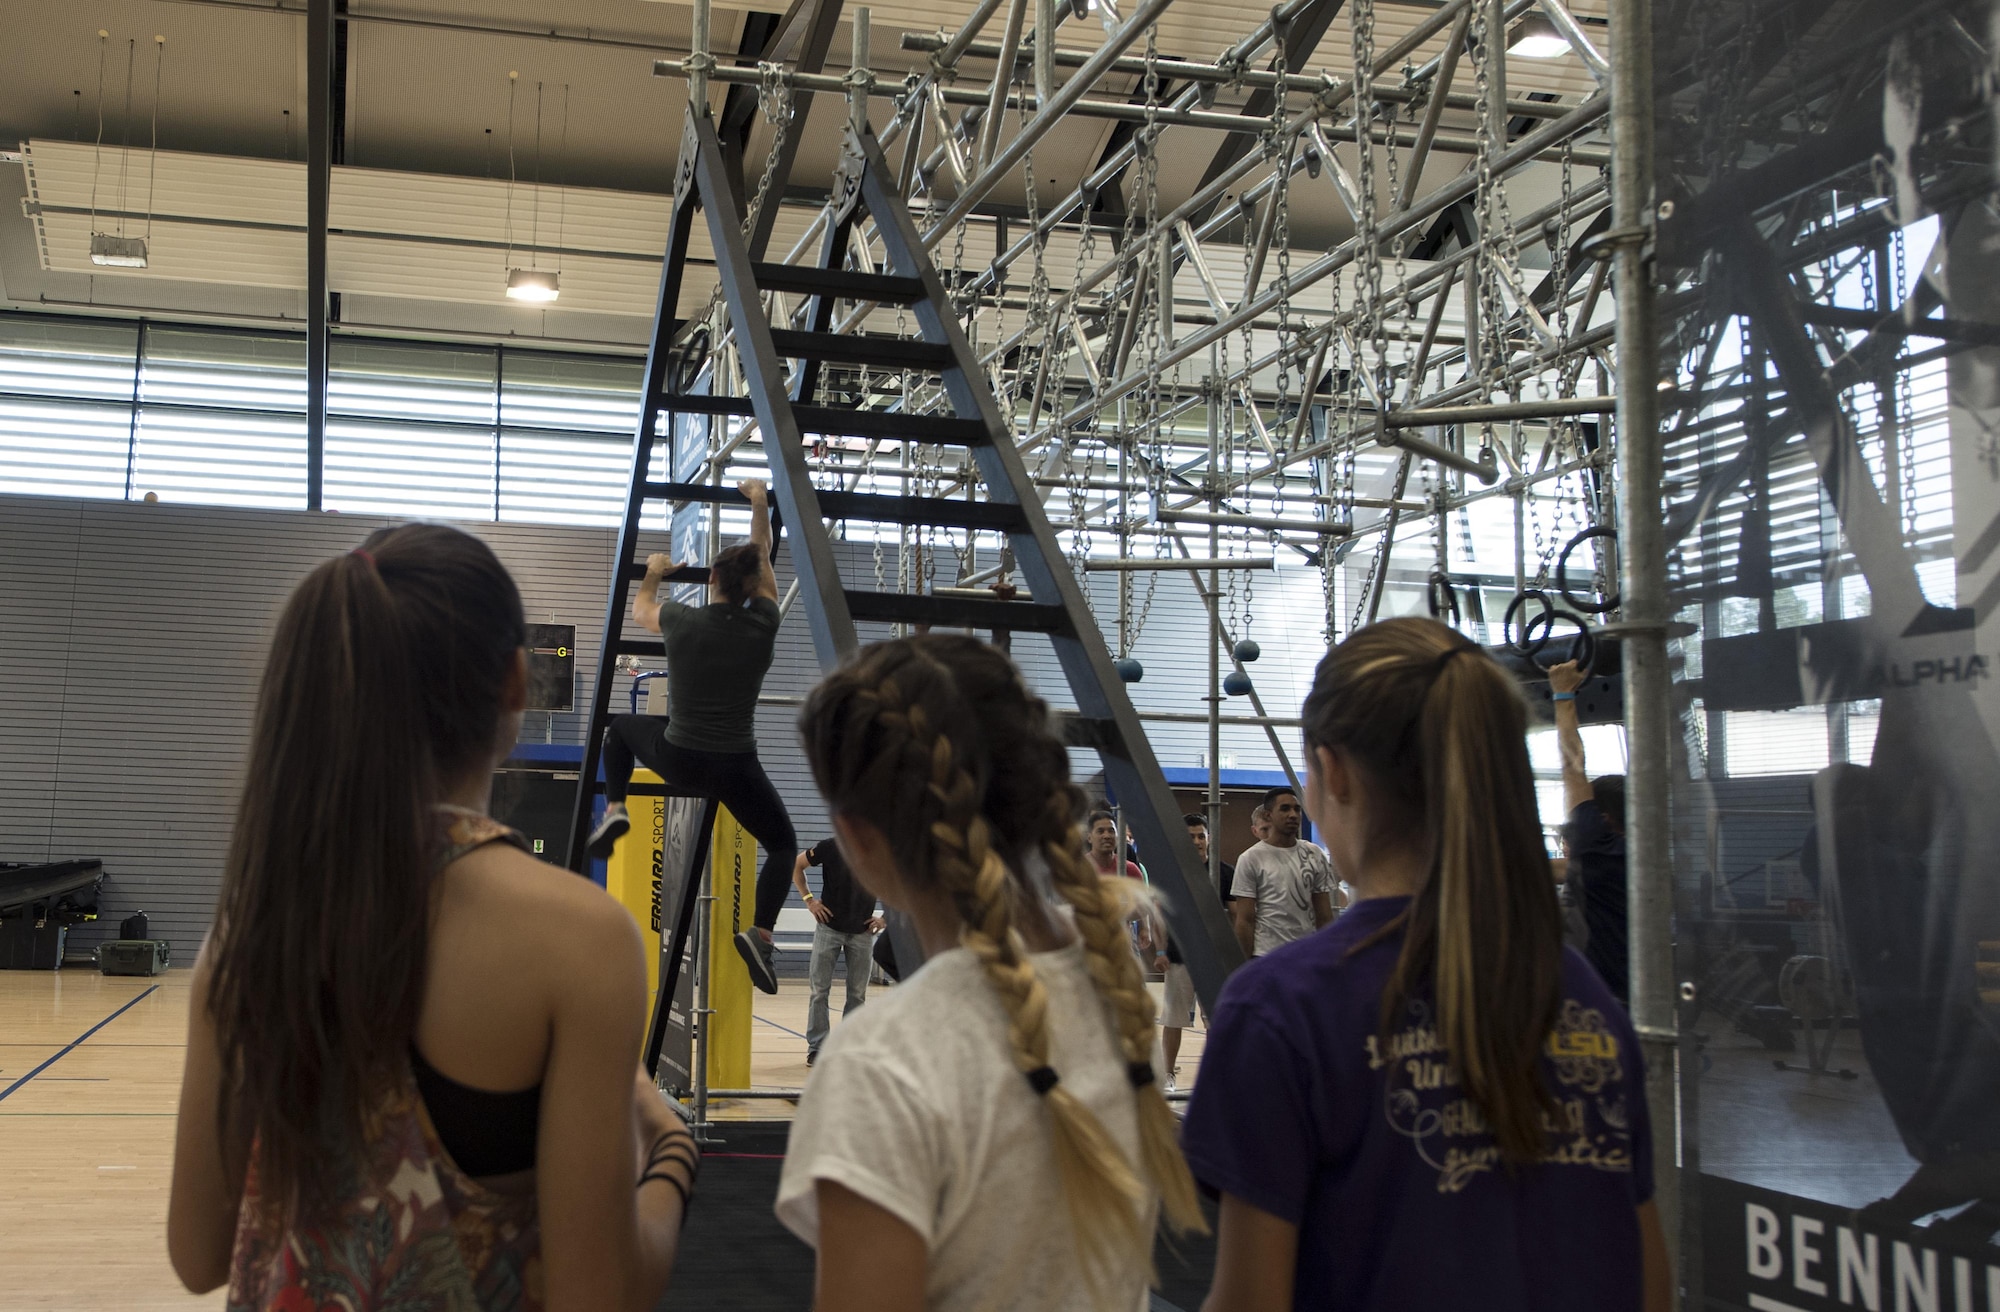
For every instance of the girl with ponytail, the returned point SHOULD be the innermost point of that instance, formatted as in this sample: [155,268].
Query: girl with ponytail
[993,1134]
[410,1078]
[1431,1103]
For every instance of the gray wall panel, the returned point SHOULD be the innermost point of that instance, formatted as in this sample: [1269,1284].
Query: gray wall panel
[132,637]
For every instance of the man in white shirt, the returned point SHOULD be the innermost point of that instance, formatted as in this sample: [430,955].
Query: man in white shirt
[1284,887]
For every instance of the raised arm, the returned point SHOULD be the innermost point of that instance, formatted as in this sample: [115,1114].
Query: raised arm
[646,601]
[1564,680]
[760,533]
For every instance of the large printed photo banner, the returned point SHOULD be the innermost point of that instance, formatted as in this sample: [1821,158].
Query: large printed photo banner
[1765,1251]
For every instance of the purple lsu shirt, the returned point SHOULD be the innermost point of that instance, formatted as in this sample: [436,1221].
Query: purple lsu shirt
[1375,1153]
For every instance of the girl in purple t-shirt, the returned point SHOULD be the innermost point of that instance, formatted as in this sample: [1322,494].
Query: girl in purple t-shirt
[1430,1103]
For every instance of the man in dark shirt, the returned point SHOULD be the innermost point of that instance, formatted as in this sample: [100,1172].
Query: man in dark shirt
[1595,838]
[717,656]
[845,925]
[1178,1009]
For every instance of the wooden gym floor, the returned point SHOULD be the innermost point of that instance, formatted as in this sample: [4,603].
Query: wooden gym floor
[90,1070]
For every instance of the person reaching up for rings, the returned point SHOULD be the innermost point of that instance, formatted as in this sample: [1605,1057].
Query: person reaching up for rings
[993,1133]
[410,1075]
[1431,1103]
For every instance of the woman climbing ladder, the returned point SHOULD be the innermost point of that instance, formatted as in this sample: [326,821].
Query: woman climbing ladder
[717,656]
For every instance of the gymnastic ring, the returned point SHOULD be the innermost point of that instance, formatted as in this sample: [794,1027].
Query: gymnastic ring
[1440,596]
[1582,647]
[1522,644]
[1587,607]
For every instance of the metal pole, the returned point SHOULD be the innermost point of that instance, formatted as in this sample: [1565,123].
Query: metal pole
[1440,95]
[699,61]
[1045,51]
[1214,634]
[1145,564]
[955,48]
[857,72]
[1048,113]
[704,1015]
[1643,585]
[319,179]
[1003,76]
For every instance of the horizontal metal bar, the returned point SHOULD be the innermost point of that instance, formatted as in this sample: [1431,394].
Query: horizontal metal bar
[1485,471]
[1137,564]
[708,493]
[1173,70]
[1553,408]
[1323,528]
[1201,717]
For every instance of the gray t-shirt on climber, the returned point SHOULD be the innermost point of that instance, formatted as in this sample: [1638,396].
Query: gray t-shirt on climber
[717,656]
[1282,881]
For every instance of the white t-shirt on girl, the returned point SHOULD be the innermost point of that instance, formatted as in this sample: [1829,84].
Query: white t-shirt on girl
[916,1105]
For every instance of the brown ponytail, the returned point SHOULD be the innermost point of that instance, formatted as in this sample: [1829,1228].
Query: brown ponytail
[383,686]
[936,742]
[1439,732]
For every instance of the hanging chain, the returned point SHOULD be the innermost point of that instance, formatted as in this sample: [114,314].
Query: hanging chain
[1279,148]
[1906,417]
[1370,325]
[774,97]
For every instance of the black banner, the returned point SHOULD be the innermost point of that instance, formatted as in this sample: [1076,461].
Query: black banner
[1763,1251]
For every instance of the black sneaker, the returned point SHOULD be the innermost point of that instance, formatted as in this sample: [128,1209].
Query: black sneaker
[756,954]
[610,829]
[812,1055]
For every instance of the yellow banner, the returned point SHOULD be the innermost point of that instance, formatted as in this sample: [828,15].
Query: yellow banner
[733,860]
[632,876]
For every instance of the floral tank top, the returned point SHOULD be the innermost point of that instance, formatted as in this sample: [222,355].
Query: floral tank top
[416,1234]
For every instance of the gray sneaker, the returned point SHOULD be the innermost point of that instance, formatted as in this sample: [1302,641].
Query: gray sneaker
[756,954]
[610,829]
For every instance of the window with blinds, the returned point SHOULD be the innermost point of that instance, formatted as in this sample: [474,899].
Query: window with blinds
[103,408]
[66,406]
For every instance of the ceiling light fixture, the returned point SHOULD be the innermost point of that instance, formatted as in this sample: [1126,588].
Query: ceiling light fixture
[115,252]
[532,285]
[1535,37]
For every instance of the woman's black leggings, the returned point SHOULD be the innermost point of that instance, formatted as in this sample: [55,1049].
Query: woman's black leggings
[735,779]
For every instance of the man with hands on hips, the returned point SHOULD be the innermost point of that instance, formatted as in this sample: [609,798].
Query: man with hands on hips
[845,922]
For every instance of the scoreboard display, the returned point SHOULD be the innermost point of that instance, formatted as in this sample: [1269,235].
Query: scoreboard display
[551,667]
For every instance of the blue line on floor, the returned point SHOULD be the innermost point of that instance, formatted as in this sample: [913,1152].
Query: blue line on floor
[76,1041]
[773,1024]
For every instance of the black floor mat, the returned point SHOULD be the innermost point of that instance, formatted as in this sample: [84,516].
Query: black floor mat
[735,1255]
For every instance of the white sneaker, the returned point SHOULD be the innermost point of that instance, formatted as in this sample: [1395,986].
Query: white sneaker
[609,830]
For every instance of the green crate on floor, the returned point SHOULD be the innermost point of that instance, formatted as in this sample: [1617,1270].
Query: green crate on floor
[133,956]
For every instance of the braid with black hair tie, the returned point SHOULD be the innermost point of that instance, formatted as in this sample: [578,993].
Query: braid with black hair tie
[1101,906]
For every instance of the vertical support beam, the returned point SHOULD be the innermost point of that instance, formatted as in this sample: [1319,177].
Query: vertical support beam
[319,183]
[1643,585]
[1003,77]
[1214,621]
[1045,52]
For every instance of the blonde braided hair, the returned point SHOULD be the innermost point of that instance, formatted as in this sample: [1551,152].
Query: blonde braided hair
[1102,905]
[967,808]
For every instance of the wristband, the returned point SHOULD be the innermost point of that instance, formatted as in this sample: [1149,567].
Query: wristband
[1562,696]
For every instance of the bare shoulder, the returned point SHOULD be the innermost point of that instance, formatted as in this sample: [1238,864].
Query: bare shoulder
[508,893]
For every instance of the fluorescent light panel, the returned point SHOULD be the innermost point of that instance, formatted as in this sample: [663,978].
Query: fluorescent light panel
[117,252]
[1536,38]
[532,285]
